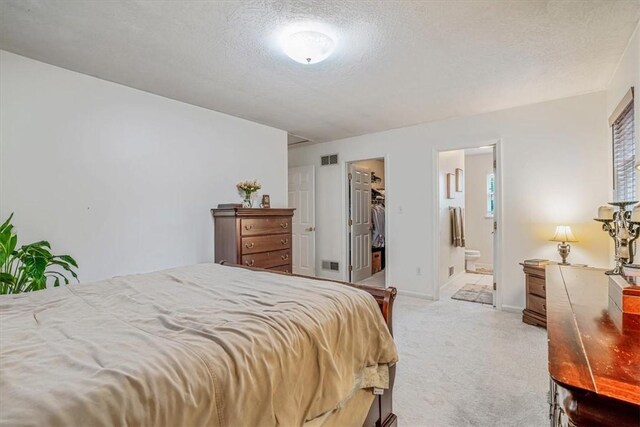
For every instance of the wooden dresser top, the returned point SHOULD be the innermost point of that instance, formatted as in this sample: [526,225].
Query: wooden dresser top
[586,349]
[252,212]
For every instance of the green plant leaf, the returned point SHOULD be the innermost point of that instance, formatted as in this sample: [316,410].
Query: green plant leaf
[6,278]
[7,223]
[66,267]
[28,268]
[69,260]
[8,241]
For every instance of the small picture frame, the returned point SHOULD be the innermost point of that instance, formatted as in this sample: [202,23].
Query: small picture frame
[459,180]
[450,186]
[266,201]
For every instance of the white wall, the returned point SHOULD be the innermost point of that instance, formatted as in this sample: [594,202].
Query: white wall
[450,256]
[556,170]
[478,227]
[121,179]
[628,75]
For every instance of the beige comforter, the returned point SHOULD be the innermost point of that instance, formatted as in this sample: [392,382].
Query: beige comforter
[193,346]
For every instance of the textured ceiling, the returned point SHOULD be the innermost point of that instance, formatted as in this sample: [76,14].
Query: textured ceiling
[397,62]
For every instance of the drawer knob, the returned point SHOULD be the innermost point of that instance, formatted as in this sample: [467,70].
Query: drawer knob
[249,245]
[285,256]
[284,241]
[248,226]
[250,263]
[544,307]
[284,224]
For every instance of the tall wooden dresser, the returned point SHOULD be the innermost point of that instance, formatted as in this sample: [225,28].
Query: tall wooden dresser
[536,311]
[254,237]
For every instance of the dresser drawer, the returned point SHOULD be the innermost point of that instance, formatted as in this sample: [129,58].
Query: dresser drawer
[536,286]
[257,226]
[267,259]
[283,268]
[255,244]
[537,304]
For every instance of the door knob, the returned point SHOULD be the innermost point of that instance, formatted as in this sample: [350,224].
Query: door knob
[310,229]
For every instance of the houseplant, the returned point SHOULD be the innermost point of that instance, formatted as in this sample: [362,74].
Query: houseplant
[29,267]
[247,189]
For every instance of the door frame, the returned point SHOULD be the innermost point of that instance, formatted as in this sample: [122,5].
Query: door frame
[345,215]
[498,273]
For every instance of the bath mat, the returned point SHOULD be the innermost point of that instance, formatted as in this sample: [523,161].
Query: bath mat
[482,270]
[482,294]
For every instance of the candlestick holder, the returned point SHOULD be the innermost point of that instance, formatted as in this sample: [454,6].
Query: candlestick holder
[624,233]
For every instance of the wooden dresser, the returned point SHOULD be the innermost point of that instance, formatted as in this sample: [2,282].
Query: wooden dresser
[594,363]
[254,237]
[535,312]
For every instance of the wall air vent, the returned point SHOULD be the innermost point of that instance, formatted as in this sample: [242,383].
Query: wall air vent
[331,265]
[331,159]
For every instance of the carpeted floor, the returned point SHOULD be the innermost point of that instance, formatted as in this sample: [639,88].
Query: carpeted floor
[466,364]
[375,280]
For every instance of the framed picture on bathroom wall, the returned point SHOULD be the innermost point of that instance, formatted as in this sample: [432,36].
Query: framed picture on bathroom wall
[459,180]
[450,186]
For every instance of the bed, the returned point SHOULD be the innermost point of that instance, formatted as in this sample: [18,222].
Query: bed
[209,344]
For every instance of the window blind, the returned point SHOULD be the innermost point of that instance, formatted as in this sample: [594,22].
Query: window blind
[624,156]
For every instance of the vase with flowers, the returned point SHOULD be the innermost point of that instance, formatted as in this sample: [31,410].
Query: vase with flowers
[247,189]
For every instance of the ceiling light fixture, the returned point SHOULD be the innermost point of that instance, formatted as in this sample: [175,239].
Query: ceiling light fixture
[308,47]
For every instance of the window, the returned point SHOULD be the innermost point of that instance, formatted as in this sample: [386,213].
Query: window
[491,188]
[624,150]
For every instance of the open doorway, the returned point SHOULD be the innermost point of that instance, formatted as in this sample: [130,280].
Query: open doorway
[366,222]
[468,218]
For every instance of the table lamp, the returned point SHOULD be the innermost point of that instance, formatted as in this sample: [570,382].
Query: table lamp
[564,236]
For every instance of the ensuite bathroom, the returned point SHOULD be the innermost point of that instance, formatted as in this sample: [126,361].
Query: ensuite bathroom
[467,206]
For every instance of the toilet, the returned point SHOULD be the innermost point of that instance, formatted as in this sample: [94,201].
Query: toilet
[470,257]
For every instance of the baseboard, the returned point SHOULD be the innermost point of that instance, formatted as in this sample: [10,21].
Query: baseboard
[452,278]
[512,308]
[415,294]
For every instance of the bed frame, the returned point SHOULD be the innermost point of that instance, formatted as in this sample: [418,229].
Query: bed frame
[381,412]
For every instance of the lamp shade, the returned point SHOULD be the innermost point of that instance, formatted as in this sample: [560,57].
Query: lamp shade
[563,234]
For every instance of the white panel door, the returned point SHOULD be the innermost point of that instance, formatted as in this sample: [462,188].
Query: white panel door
[360,222]
[302,197]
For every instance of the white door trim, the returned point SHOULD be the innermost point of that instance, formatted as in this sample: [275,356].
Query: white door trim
[498,217]
[344,166]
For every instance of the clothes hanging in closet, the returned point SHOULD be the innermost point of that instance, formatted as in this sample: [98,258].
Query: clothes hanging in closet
[377,232]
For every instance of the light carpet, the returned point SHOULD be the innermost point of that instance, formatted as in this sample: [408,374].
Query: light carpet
[376,279]
[467,364]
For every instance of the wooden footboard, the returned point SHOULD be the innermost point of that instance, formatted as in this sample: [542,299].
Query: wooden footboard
[381,412]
